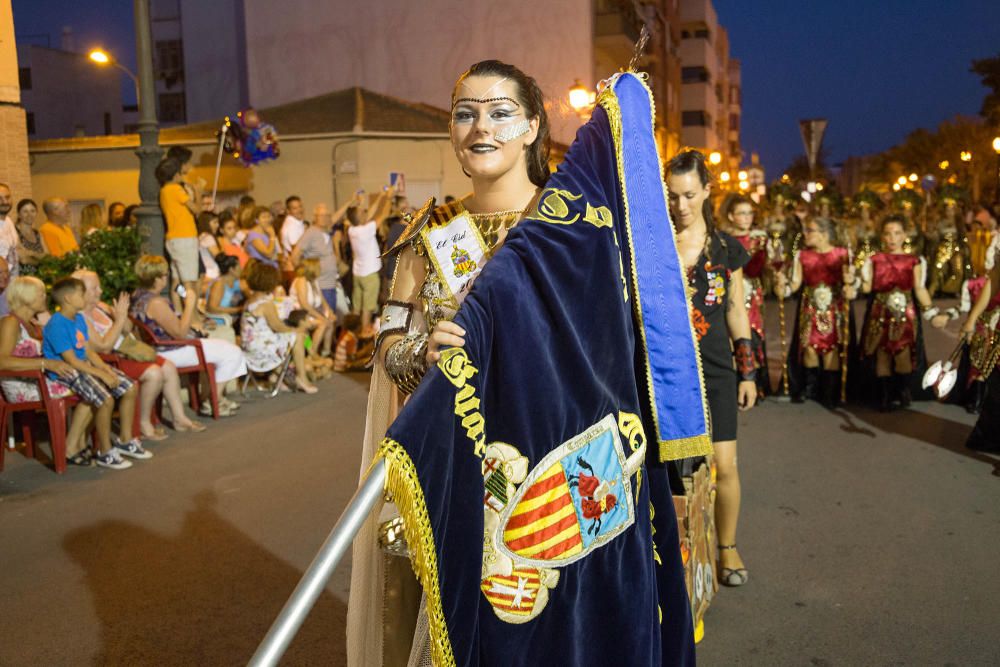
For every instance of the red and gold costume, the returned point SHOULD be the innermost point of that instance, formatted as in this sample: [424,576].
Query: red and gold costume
[984,348]
[755,243]
[823,309]
[892,321]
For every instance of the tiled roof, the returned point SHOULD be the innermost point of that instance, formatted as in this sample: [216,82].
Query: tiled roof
[351,110]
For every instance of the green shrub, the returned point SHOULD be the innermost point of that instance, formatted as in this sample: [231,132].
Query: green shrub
[110,253]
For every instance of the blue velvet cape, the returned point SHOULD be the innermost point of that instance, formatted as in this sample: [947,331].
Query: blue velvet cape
[529,464]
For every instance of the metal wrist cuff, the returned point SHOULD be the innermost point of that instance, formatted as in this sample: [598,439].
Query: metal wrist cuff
[405,361]
[745,365]
[953,313]
[930,313]
[395,320]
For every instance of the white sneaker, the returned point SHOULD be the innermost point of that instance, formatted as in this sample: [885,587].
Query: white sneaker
[133,449]
[112,459]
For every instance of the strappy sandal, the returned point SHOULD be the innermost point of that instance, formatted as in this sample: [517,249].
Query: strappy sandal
[729,576]
[82,458]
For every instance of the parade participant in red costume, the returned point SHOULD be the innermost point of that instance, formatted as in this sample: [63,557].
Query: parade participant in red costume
[824,331]
[754,241]
[980,332]
[892,336]
[985,436]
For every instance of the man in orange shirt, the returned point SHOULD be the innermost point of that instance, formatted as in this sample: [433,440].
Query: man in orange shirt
[55,231]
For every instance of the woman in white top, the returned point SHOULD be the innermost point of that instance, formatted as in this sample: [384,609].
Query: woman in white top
[208,246]
[306,295]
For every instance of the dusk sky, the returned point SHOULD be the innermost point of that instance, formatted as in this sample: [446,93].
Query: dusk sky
[876,70]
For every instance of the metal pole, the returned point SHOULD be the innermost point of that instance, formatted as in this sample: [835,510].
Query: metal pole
[304,596]
[149,152]
[218,162]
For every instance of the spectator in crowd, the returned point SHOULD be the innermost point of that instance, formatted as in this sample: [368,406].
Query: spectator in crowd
[244,214]
[262,242]
[110,331]
[292,229]
[316,243]
[116,215]
[21,350]
[158,314]
[97,384]
[266,339]
[367,261]
[394,229]
[305,294]
[131,218]
[31,246]
[207,203]
[349,356]
[228,241]
[56,231]
[91,220]
[208,245]
[179,211]
[225,297]
[8,241]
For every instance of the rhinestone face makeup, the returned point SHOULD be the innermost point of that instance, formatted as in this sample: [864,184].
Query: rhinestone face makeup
[516,130]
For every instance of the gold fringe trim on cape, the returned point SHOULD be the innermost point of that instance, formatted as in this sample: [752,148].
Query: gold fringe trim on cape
[402,484]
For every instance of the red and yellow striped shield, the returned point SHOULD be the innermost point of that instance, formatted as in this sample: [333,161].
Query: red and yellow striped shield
[544,524]
[515,594]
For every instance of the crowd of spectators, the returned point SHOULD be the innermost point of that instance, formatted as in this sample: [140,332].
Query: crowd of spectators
[263,290]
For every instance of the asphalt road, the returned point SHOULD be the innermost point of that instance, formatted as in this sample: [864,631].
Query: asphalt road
[871,540]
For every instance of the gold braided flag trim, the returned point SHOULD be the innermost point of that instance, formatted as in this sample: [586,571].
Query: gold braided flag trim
[402,484]
[683,448]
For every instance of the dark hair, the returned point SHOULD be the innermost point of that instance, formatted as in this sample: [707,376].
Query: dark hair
[289,200]
[111,221]
[64,287]
[129,210]
[24,202]
[352,322]
[247,200]
[225,215]
[259,211]
[826,226]
[262,277]
[685,162]
[352,215]
[180,153]
[204,222]
[533,101]
[296,317]
[226,263]
[448,199]
[166,170]
[895,218]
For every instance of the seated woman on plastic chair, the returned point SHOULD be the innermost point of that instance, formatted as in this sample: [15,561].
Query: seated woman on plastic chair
[21,350]
[157,313]
[267,340]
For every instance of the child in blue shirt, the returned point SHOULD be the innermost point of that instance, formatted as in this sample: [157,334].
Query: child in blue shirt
[96,383]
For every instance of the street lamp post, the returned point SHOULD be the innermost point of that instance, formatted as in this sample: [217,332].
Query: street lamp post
[102,57]
[149,152]
[996,149]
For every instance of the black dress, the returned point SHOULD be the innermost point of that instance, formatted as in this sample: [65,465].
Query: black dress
[708,283]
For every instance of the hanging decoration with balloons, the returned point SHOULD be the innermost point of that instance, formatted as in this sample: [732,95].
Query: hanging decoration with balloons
[249,139]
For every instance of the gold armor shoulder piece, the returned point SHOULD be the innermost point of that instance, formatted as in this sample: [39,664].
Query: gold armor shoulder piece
[416,222]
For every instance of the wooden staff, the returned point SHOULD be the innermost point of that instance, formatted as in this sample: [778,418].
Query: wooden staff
[844,327]
[781,331]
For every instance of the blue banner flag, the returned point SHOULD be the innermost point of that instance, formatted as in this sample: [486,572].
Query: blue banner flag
[529,465]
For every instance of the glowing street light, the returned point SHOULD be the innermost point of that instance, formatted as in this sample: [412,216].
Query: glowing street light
[996,144]
[901,181]
[966,156]
[580,98]
[742,175]
[913,178]
[725,177]
[819,187]
[103,58]
[896,186]
[785,178]
[715,157]
[943,164]
[744,185]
